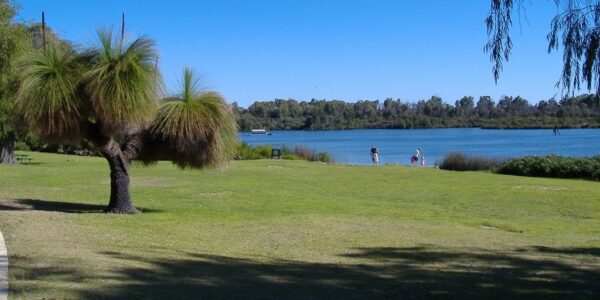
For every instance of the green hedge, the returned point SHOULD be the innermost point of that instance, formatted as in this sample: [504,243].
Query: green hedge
[553,166]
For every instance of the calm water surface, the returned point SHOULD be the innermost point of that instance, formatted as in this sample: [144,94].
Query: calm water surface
[397,145]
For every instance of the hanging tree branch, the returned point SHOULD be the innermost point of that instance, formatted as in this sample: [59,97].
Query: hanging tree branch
[498,23]
[576,28]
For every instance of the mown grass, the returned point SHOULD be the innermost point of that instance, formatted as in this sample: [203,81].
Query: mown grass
[276,229]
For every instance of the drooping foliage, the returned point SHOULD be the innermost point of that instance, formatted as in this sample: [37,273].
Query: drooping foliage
[498,24]
[121,80]
[113,85]
[198,128]
[575,29]
[49,98]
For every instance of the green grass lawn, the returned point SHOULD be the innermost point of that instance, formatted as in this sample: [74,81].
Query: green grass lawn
[297,230]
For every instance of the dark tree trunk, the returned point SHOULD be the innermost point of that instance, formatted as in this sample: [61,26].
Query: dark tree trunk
[119,159]
[120,198]
[7,149]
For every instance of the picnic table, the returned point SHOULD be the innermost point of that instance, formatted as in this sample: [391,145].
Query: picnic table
[23,158]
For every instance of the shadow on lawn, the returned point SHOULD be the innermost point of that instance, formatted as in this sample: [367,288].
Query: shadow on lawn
[372,273]
[57,206]
[32,163]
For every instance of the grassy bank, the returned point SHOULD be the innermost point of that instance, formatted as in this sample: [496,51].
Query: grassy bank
[296,230]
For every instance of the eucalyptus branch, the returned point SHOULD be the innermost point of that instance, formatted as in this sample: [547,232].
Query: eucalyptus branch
[576,29]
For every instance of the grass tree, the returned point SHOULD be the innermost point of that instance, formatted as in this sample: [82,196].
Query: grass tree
[107,95]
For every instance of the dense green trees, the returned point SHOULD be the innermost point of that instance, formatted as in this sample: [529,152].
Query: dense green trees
[508,112]
[14,39]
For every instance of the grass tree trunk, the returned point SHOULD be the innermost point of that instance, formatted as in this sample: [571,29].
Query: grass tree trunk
[120,198]
[7,149]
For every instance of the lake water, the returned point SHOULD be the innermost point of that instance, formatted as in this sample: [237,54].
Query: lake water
[397,145]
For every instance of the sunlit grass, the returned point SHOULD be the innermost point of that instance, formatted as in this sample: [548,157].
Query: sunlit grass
[294,229]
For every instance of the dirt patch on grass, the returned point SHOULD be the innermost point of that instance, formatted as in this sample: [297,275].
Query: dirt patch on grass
[505,227]
[540,188]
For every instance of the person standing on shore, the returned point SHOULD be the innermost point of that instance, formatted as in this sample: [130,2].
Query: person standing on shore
[374,155]
[414,160]
[418,154]
[419,157]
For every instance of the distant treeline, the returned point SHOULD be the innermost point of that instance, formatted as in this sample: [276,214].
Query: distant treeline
[509,112]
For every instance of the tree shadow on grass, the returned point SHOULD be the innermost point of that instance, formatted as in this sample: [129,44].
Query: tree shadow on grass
[57,206]
[371,273]
[32,163]
[568,251]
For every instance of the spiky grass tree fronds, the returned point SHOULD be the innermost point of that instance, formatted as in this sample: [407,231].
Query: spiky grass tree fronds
[194,129]
[122,82]
[48,98]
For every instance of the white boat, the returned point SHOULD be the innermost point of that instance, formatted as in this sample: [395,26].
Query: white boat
[258,131]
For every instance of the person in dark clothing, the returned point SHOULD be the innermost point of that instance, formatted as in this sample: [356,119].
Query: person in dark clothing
[374,155]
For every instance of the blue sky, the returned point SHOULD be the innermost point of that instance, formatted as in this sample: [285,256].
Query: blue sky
[258,50]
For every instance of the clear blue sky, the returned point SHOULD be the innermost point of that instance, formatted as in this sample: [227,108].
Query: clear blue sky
[258,50]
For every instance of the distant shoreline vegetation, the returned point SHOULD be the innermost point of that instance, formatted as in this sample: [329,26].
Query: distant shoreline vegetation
[508,113]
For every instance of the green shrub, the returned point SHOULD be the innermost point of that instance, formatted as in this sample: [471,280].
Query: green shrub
[457,161]
[324,157]
[264,151]
[247,152]
[553,166]
[312,155]
[304,152]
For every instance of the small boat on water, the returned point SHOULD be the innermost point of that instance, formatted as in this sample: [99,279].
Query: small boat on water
[260,131]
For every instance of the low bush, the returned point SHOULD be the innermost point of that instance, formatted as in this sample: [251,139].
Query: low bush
[247,152]
[553,166]
[303,152]
[324,157]
[457,161]
[312,155]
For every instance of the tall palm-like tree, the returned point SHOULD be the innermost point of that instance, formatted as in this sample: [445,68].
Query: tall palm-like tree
[107,95]
[192,128]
